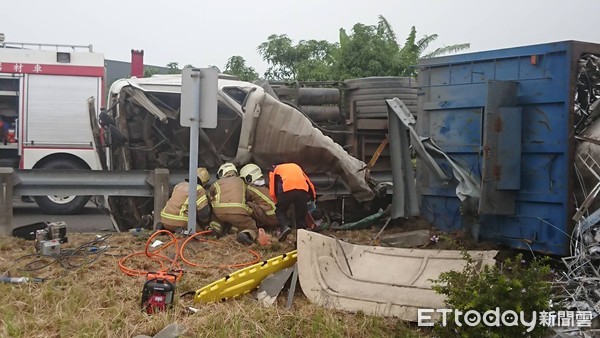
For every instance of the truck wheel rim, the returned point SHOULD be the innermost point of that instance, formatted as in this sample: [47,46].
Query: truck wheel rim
[61,199]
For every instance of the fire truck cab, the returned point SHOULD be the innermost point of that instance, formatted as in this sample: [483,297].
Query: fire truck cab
[44,119]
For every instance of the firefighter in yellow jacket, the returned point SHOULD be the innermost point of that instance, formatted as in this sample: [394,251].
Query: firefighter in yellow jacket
[228,199]
[257,196]
[174,215]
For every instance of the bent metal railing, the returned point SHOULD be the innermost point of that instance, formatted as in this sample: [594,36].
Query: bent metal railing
[155,183]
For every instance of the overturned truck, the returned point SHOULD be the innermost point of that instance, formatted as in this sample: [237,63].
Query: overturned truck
[253,126]
[521,123]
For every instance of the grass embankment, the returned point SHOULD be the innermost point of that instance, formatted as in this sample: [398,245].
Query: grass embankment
[98,300]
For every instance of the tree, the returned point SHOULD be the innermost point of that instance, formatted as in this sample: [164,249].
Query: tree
[375,51]
[367,51]
[236,65]
[414,50]
[173,68]
[315,60]
[149,71]
[309,60]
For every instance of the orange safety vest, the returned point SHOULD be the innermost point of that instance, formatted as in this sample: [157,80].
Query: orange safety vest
[292,178]
[175,212]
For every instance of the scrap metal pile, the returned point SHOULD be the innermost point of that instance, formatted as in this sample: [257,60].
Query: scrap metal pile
[581,281]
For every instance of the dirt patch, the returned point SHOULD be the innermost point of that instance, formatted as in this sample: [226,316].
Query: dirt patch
[457,240]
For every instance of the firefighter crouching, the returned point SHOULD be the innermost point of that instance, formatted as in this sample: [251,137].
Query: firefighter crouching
[174,216]
[289,186]
[228,200]
[257,196]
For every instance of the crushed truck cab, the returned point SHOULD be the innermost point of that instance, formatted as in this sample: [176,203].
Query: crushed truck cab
[252,126]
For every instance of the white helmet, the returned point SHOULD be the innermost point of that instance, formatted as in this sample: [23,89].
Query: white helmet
[250,173]
[225,169]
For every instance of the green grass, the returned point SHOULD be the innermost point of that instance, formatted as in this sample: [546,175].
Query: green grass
[101,301]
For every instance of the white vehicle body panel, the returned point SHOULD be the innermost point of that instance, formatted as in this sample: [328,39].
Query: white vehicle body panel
[32,156]
[375,280]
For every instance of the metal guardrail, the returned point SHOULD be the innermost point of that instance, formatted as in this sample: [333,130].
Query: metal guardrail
[82,182]
[155,183]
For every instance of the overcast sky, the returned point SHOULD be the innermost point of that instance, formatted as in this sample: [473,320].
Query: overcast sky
[206,33]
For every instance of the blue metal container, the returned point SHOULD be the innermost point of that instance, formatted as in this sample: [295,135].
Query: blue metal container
[506,117]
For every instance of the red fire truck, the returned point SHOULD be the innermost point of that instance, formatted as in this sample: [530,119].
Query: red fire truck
[44,119]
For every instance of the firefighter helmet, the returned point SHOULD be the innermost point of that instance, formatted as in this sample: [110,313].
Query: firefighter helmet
[225,169]
[250,173]
[203,175]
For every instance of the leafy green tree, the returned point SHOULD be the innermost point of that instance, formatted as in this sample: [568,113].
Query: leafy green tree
[173,68]
[279,53]
[309,60]
[236,65]
[375,51]
[414,49]
[149,71]
[315,60]
[368,51]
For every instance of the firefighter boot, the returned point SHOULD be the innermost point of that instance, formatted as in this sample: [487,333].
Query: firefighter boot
[247,237]
[284,231]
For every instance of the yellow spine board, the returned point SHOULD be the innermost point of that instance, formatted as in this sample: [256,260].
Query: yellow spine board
[244,280]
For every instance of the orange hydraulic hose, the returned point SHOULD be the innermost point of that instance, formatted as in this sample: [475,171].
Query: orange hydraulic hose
[155,256]
[194,236]
[174,264]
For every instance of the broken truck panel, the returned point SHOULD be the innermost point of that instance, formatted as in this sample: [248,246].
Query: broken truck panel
[280,133]
[375,280]
[251,126]
[452,113]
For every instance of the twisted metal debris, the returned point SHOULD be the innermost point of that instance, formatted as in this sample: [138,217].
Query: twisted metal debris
[579,284]
[581,281]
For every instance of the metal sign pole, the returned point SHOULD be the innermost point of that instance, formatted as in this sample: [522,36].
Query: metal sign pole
[194,134]
[198,109]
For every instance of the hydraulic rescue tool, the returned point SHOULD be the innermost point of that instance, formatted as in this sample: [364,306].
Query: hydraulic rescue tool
[158,291]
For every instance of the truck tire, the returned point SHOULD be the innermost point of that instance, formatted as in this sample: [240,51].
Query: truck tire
[57,204]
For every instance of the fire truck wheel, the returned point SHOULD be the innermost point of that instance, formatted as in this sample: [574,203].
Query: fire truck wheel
[60,204]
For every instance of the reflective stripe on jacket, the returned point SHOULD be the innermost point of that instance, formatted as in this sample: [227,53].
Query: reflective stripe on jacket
[175,212]
[289,176]
[262,205]
[228,194]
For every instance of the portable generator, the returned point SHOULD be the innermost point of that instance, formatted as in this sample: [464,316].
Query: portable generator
[158,291]
[49,239]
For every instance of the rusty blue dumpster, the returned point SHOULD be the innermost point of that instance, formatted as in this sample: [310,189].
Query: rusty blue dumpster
[506,117]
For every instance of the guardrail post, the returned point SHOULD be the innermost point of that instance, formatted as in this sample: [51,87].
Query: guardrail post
[6,206]
[160,182]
